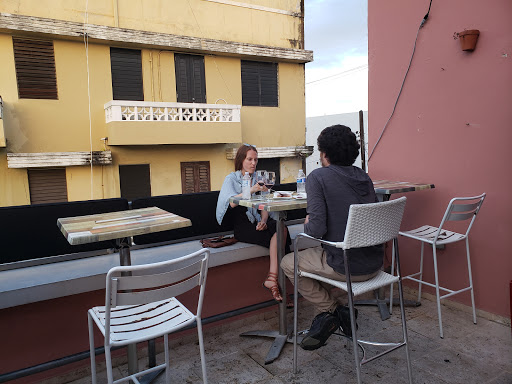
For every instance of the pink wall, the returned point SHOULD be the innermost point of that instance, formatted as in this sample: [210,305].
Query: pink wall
[452,127]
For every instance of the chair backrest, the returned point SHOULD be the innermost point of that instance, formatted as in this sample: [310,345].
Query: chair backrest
[142,284]
[461,209]
[372,224]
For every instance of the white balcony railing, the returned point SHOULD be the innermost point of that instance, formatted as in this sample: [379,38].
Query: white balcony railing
[120,110]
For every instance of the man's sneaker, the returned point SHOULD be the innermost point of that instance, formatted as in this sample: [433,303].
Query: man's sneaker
[323,326]
[343,314]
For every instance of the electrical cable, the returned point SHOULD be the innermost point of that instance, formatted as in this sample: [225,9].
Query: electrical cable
[86,43]
[423,21]
[355,69]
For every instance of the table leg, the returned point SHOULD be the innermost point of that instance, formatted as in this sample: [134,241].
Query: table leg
[125,259]
[280,337]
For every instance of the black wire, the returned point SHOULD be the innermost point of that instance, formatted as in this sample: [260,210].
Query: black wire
[403,81]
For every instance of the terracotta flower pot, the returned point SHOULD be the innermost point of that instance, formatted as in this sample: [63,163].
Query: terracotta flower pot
[468,39]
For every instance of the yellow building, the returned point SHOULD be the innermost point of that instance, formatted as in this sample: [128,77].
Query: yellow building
[109,98]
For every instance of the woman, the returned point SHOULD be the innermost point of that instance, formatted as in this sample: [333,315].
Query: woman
[250,225]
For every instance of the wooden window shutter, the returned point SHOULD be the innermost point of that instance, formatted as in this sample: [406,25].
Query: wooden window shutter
[195,177]
[126,67]
[190,78]
[135,181]
[47,185]
[259,84]
[35,68]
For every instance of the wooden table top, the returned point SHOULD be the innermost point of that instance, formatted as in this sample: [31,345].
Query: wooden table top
[386,187]
[275,205]
[116,225]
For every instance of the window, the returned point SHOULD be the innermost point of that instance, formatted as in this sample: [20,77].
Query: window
[259,84]
[126,67]
[271,165]
[135,181]
[47,185]
[195,177]
[35,68]
[190,80]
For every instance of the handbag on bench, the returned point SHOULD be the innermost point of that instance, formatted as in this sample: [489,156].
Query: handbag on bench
[217,242]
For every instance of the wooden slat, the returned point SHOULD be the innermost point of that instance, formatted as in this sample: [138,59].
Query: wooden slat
[63,28]
[273,152]
[61,159]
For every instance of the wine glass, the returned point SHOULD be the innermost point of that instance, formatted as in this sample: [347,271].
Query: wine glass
[270,181]
[261,176]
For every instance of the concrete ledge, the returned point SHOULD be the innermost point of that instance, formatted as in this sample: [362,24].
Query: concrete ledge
[50,281]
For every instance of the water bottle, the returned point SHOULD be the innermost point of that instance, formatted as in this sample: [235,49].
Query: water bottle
[301,182]
[246,186]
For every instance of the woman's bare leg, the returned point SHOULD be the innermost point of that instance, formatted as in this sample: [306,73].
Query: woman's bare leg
[274,265]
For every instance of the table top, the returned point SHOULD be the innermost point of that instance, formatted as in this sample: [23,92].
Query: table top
[386,187]
[116,225]
[275,205]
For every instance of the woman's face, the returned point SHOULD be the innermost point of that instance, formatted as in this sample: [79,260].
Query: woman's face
[250,162]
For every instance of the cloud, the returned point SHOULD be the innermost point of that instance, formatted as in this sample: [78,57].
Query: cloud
[335,29]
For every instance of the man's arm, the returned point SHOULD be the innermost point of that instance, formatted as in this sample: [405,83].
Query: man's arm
[316,220]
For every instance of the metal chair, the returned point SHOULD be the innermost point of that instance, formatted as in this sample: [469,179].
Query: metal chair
[367,225]
[459,209]
[140,305]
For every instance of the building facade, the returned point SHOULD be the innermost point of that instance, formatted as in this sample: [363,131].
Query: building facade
[140,98]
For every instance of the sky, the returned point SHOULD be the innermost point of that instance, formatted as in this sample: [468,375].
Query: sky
[337,33]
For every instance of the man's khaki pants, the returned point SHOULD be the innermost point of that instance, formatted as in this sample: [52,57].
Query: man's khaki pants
[313,260]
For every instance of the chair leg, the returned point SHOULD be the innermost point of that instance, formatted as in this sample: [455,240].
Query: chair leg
[167,360]
[471,281]
[402,314]
[91,349]
[392,273]
[421,272]
[354,336]
[201,349]
[108,360]
[434,254]
[295,309]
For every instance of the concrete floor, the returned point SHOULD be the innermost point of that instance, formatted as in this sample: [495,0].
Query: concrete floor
[468,353]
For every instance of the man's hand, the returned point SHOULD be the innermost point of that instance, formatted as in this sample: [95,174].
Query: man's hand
[306,220]
[261,226]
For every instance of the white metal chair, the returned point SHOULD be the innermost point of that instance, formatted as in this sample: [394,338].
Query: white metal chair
[459,209]
[140,305]
[367,225]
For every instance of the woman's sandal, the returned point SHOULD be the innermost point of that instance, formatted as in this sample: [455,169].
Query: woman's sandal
[274,289]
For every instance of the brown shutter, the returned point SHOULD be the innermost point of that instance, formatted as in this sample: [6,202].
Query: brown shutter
[35,68]
[195,177]
[47,185]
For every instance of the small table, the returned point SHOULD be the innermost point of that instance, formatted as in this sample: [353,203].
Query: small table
[120,226]
[280,206]
[384,189]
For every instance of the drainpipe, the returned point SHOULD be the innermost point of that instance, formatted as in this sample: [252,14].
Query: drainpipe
[116,13]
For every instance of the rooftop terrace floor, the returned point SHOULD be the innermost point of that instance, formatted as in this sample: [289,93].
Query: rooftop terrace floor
[469,353]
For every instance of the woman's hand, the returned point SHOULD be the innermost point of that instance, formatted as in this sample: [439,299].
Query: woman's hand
[261,226]
[257,188]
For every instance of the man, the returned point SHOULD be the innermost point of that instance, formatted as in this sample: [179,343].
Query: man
[330,192]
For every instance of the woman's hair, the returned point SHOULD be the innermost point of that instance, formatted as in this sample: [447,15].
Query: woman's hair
[339,144]
[241,154]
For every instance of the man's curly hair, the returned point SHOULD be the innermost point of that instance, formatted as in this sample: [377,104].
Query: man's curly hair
[339,144]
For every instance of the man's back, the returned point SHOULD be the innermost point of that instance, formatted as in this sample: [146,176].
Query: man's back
[331,190]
